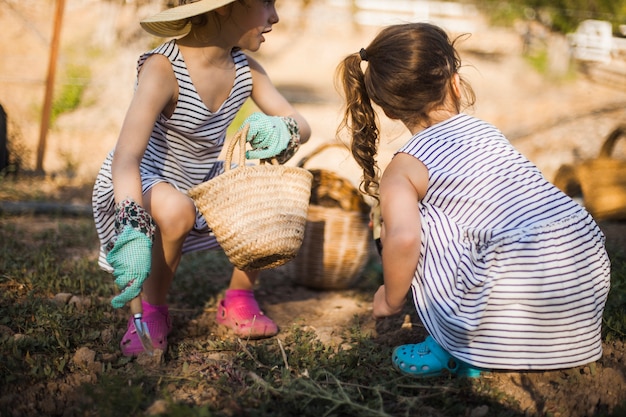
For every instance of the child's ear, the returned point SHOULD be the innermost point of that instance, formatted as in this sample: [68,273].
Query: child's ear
[456,85]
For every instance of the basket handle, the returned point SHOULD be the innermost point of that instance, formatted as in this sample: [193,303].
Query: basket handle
[609,143]
[240,139]
[319,149]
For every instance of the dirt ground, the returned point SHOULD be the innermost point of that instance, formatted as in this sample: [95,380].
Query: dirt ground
[553,119]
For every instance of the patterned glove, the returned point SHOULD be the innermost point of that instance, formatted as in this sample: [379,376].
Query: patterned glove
[271,136]
[131,253]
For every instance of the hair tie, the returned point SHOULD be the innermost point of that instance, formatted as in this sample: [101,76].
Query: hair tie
[363,54]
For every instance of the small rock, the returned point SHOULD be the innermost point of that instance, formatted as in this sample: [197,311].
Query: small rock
[62,298]
[107,335]
[147,360]
[84,357]
[109,357]
[17,337]
[157,408]
[480,411]
[80,302]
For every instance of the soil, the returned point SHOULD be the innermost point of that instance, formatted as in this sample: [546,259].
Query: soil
[555,117]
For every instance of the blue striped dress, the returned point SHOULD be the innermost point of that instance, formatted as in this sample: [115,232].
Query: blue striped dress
[513,274]
[182,150]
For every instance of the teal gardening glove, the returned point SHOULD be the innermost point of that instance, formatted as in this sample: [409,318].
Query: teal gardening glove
[131,253]
[271,136]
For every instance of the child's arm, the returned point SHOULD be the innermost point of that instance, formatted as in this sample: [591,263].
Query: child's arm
[131,255]
[401,185]
[156,90]
[271,102]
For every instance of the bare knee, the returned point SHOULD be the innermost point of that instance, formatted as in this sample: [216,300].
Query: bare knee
[173,212]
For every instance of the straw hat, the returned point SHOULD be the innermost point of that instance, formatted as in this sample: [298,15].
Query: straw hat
[173,22]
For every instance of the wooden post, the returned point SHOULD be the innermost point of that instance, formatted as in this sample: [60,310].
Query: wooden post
[47,103]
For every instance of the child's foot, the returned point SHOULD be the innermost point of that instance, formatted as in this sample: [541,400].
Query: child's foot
[158,320]
[429,359]
[240,312]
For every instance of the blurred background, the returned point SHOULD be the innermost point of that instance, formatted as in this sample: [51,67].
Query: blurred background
[550,73]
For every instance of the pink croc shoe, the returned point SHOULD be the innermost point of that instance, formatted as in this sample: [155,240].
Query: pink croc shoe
[159,325]
[240,312]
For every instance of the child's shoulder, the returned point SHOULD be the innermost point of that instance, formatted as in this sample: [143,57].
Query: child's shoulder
[166,48]
[169,50]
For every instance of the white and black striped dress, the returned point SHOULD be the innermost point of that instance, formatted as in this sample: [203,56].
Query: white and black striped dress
[513,274]
[182,151]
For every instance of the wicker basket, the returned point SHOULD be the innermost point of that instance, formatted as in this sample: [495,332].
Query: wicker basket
[258,213]
[600,181]
[603,181]
[336,243]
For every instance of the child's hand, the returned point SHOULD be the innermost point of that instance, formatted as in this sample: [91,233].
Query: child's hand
[131,258]
[131,255]
[268,136]
[380,306]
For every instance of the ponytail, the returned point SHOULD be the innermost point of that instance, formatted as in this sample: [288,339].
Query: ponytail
[360,121]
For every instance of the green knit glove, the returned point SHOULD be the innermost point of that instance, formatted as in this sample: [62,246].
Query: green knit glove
[131,254]
[131,258]
[268,136]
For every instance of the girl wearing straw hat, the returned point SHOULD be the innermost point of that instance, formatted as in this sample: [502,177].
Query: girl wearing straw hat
[187,93]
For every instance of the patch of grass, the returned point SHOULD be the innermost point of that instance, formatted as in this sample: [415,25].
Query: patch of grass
[539,60]
[292,374]
[502,13]
[614,319]
[39,335]
[70,94]
[27,186]
[192,284]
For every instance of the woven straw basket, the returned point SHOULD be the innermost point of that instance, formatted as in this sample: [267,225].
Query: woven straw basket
[258,213]
[337,240]
[601,181]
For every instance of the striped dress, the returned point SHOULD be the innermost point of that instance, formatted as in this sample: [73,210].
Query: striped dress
[182,150]
[513,274]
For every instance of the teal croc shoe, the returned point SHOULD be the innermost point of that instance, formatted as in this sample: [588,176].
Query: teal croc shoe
[428,359]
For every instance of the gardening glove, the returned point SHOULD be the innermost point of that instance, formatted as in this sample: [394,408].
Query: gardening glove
[131,253]
[271,136]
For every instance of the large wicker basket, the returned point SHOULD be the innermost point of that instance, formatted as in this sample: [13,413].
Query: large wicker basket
[258,213]
[336,243]
[601,181]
